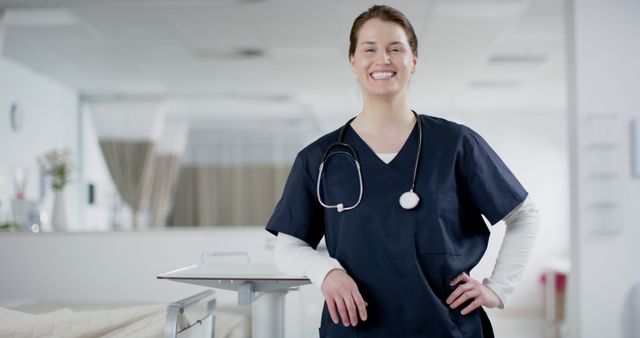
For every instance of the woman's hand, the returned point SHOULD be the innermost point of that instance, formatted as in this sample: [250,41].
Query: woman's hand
[471,289]
[342,297]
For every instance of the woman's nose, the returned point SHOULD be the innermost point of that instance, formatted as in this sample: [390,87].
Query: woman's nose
[384,58]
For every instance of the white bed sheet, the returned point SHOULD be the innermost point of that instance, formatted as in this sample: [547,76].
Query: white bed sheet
[50,319]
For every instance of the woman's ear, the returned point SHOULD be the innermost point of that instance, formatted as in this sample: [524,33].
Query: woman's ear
[415,64]
[353,67]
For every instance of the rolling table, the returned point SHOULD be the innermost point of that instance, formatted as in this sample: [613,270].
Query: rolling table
[258,284]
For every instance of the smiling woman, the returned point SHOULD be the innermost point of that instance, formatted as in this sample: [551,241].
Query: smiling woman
[256,81]
[400,269]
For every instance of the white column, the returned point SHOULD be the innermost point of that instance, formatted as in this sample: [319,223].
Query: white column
[2,30]
[604,77]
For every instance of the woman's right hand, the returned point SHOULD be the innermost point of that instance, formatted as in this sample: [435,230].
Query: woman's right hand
[342,296]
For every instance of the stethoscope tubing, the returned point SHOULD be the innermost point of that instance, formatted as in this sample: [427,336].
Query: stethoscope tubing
[340,206]
[354,155]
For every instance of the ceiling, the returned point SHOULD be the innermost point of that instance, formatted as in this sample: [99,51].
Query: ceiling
[288,58]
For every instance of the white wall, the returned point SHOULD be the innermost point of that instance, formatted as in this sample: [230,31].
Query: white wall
[605,231]
[50,122]
[113,267]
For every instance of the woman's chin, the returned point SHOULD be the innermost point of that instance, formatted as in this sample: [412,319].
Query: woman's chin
[384,92]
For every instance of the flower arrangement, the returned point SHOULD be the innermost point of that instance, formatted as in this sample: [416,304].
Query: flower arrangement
[57,164]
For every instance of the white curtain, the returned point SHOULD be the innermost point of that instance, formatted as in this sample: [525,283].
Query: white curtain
[232,177]
[228,195]
[128,132]
[166,171]
[130,164]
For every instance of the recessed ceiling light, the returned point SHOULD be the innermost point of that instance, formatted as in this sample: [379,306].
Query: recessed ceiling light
[477,9]
[305,51]
[40,17]
[240,53]
[489,84]
[249,52]
[518,58]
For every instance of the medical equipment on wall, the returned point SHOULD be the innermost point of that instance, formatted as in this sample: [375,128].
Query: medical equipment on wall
[408,200]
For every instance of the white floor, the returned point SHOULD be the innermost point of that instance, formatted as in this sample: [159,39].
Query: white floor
[518,327]
[506,325]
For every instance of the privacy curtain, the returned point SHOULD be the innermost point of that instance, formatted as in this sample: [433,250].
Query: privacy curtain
[166,169]
[228,195]
[233,176]
[128,131]
[131,166]
[165,180]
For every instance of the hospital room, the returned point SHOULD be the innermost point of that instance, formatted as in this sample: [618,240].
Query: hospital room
[302,169]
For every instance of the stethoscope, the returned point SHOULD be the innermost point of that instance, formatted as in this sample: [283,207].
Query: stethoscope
[408,200]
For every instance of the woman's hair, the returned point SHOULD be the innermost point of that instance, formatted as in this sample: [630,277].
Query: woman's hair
[384,13]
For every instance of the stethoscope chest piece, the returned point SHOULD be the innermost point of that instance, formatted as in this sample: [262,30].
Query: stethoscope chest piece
[409,200]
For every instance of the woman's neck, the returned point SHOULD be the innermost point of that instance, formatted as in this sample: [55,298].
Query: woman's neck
[383,113]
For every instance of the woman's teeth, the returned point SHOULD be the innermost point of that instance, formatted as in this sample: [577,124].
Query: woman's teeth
[382,75]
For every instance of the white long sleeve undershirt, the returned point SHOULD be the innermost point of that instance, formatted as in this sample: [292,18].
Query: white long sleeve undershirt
[517,245]
[294,256]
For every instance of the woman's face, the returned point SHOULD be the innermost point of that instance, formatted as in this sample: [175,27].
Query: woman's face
[383,61]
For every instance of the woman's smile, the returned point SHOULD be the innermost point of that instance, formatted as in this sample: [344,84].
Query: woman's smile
[382,75]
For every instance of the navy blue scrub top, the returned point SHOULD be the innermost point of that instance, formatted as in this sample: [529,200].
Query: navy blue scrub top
[403,260]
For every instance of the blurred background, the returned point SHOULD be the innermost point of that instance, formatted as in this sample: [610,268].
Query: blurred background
[139,133]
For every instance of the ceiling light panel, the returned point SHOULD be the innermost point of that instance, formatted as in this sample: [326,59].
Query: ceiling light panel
[40,17]
[495,84]
[513,58]
[477,9]
[132,31]
[107,16]
[543,20]
[61,39]
[218,36]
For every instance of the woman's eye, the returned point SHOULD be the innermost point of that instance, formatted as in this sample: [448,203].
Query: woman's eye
[369,50]
[396,50]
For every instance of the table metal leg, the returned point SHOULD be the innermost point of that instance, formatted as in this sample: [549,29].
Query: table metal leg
[267,315]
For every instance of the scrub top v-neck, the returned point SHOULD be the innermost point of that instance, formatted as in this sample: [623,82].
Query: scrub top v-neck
[403,260]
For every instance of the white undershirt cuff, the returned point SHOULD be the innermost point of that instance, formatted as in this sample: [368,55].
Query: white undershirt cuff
[294,256]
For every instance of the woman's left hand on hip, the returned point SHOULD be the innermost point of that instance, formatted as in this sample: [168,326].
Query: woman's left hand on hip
[469,288]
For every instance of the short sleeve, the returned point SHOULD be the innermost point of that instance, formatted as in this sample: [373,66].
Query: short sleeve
[298,213]
[492,186]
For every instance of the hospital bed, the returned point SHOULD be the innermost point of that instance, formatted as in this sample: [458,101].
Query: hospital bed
[193,317]
[47,272]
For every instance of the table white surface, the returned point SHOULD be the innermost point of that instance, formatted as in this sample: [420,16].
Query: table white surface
[260,285]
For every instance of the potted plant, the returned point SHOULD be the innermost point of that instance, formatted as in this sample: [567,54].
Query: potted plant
[57,164]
